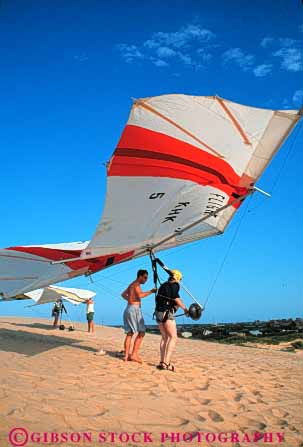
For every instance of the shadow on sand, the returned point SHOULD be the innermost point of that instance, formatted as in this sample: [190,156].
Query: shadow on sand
[46,326]
[30,344]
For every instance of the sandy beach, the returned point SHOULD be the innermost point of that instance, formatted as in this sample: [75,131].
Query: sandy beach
[51,381]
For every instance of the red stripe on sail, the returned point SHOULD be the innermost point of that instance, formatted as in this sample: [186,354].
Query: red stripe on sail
[183,162]
[143,152]
[94,265]
[132,167]
[135,137]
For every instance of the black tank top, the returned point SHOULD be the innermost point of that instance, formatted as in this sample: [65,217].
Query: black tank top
[167,293]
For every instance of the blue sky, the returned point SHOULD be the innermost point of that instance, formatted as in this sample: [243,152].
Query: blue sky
[68,72]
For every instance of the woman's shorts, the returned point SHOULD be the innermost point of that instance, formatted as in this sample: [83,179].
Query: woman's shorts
[90,316]
[167,315]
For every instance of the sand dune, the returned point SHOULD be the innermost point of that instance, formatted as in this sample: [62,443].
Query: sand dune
[51,381]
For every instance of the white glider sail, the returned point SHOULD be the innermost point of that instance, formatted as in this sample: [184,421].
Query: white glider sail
[52,293]
[179,159]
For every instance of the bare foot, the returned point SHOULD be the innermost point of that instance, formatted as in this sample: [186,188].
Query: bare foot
[135,358]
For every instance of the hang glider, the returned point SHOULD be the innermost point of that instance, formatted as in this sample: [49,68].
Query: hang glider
[181,169]
[52,293]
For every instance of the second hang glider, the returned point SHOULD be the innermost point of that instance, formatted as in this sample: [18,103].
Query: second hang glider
[52,293]
[181,169]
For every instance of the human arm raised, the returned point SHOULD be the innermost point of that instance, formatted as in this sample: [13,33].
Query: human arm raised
[140,294]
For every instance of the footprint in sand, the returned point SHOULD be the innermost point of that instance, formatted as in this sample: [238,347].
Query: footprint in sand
[293,428]
[256,393]
[238,397]
[283,424]
[205,401]
[172,388]
[102,413]
[184,422]
[15,412]
[241,407]
[280,413]
[259,396]
[201,417]
[214,416]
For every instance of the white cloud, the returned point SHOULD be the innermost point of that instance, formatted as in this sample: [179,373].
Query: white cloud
[165,52]
[291,59]
[298,98]
[286,104]
[288,49]
[262,70]
[190,46]
[239,58]
[82,57]
[194,46]
[204,55]
[283,42]
[266,42]
[129,53]
[287,42]
[181,38]
[159,63]
[186,59]
[202,34]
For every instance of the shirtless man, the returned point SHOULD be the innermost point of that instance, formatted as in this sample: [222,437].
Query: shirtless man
[132,317]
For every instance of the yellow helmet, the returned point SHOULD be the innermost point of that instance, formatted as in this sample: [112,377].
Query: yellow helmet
[177,275]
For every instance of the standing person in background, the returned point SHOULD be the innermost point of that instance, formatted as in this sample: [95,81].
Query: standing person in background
[56,310]
[132,317]
[90,310]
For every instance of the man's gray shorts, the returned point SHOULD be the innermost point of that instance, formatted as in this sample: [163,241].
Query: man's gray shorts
[133,319]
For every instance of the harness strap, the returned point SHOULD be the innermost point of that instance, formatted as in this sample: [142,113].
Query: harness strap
[154,262]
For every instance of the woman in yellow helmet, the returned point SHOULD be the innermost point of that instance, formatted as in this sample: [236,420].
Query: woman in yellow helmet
[167,303]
